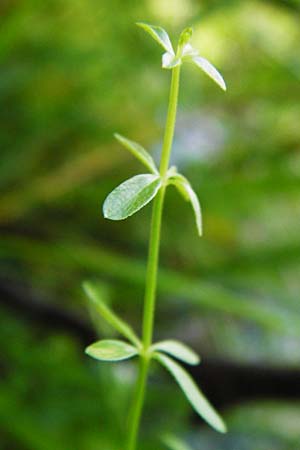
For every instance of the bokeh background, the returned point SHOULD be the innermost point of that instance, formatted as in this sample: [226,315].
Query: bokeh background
[72,72]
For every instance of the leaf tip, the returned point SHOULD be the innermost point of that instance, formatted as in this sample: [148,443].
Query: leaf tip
[87,350]
[86,286]
[105,211]
[223,85]
[197,360]
[141,24]
[222,428]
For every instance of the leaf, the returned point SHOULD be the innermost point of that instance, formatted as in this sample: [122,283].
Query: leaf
[159,35]
[192,393]
[169,61]
[186,190]
[108,315]
[185,37]
[173,443]
[111,350]
[99,323]
[138,151]
[131,196]
[178,350]
[210,70]
[189,51]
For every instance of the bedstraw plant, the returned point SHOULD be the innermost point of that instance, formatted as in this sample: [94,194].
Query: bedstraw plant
[124,201]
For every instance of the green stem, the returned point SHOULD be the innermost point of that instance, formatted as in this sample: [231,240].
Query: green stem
[152,266]
[171,119]
[138,404]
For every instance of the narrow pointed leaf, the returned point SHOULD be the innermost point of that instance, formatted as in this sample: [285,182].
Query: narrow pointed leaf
[173,443]
[111,350]
[210,70]
[186,190]
[131,196]
[178,350]
[192,393]
[138,151]
[108,315]
[169,61]
[159,35]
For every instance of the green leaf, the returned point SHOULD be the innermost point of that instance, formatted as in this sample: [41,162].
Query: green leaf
[108,315]
[99,323]
[111,350]
[169,61]
[185,37]
[186,190]
[173,443]
[210,70]
[178,350]
[131,196]
[138,151]
[192,393]
[159,35]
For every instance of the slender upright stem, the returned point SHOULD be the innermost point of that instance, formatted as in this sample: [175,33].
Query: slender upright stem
[171,120]
[138,404]
[152,266]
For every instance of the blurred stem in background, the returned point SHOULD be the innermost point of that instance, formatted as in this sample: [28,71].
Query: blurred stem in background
[153,260]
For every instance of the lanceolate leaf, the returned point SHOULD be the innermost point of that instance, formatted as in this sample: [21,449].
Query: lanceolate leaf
[210,70]
[186,190]
[159,35]
[111,350]
[131,196]
[108,315]
[192,393]
[138,151]
[178,350]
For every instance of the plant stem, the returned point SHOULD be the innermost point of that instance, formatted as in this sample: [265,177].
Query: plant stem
[138,404]
[152,266]
[171,119]
[154,243]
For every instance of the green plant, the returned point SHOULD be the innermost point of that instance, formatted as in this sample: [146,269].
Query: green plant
[124,201]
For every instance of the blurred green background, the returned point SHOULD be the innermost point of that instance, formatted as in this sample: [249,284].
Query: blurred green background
[72,72]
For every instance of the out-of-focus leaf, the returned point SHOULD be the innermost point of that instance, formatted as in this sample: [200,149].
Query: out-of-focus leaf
[111,350]
[159,35]
[210,70]
[201,294]
[138,151]
[174,443]
[130,196]
[192,393]
[178,350]
[110,317]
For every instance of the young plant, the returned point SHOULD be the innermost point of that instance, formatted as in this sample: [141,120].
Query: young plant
[128,198]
